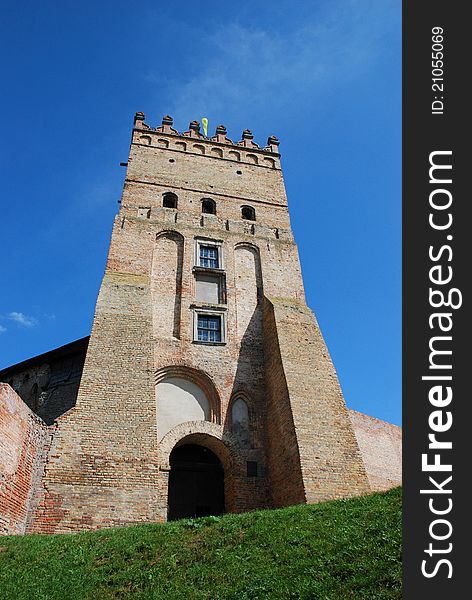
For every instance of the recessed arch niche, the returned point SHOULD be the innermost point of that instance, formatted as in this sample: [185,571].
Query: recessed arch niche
[179,400]
[240,421]
[248,285]
[182,395]
[166,284]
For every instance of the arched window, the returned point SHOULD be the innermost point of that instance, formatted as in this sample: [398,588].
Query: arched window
[169,200]
[248,213]
[240,422]
[208,206]
[234,155]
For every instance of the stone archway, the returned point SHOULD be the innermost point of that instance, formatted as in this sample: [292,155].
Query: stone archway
[212,452]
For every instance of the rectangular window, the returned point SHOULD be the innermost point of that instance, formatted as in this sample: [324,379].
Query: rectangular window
[208,288]
[209,328]
[208,256]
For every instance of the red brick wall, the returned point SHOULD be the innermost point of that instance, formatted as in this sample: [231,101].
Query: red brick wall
[380,444]
[286,480]
[23,446]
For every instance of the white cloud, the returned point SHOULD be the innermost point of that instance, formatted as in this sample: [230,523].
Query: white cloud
[248,70]
[2,329]
[22,319]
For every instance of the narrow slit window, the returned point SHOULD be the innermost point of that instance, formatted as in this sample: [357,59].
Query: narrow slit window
[251,468]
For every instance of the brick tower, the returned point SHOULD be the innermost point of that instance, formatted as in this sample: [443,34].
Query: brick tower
[207,386]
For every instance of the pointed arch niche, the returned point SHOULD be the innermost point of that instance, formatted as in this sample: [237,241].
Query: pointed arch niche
[166,284]
[240,420]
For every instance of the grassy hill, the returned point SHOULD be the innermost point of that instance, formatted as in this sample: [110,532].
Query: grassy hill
[330,551]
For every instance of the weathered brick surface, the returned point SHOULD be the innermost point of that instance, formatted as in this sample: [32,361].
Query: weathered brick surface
[312,437]
[109,464]
[102,468]
[380,444]
[49,383]
[24,441]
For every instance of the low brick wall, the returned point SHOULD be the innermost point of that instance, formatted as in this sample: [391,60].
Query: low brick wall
[23,449]
[380,444]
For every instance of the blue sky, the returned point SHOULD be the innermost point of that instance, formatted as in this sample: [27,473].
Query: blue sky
[325,77]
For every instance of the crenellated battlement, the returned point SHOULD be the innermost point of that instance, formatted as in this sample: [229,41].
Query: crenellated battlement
[218,146]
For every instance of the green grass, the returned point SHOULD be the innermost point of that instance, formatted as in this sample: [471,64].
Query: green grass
[330,551]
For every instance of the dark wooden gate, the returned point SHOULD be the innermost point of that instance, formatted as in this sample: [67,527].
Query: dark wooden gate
[196,483]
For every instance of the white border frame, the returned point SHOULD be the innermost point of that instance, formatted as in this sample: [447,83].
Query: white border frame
[208,242]
[197,311]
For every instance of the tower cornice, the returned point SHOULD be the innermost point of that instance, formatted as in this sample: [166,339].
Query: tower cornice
[194,134]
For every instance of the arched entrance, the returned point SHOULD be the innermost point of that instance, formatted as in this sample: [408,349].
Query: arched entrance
[196,483]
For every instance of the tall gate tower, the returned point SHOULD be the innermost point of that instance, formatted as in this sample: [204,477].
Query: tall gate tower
[207,386]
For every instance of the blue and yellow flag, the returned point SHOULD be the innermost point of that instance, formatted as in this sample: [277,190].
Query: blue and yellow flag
[205,125]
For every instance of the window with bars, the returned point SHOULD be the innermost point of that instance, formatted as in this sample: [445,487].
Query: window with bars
[209,328]
[208,256]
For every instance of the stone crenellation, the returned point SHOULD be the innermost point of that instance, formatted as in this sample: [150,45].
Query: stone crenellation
[219,146]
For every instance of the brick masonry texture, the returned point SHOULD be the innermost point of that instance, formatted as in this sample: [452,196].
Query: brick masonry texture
[24,441]
[109,459]
[381,446]
[49,383]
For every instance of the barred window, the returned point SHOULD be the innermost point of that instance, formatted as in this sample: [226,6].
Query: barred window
[208,256]
[209,328]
